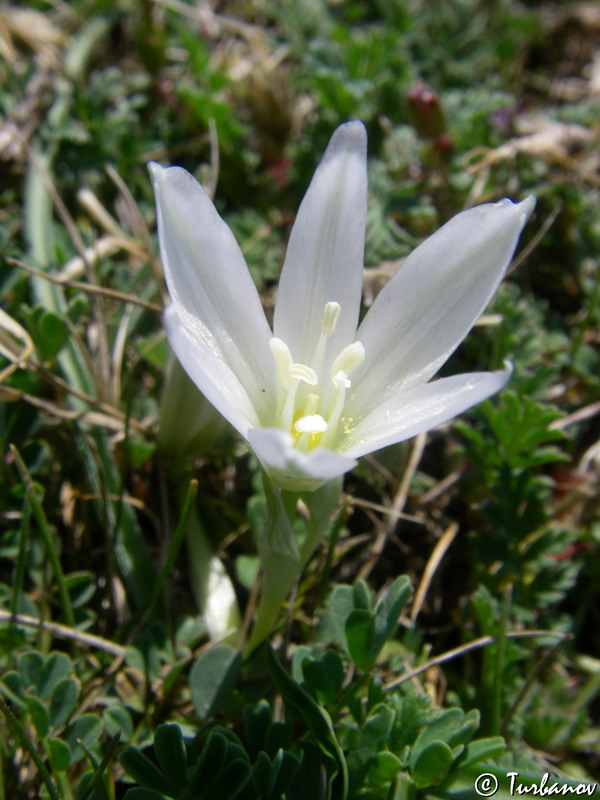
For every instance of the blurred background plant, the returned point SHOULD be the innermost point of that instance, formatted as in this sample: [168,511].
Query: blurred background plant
[131,530]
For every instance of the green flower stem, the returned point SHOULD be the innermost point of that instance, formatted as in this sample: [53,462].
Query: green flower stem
[321,505]
[282,560]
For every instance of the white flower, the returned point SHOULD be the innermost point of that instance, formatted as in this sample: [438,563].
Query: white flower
[321,390]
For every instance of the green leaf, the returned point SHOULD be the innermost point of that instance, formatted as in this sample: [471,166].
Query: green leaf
[481,750]
[63,701]
[211,761]
[142,770]
[53,333]
[117,718]
[223,768]
[59,753]
[362,595]
[431,765]
[143,794]
[284,770]
[88,728]
[38,714]
[81,587]
[30,668]
[324,675]
[403,788]
[13,688]
[308,782]
[257,720]
[169,748]
[57,667]
[213,677]
[451,726]
[390,606]
[279,735]
[360,637]
[384,767]
[272,778]
[375,731]
[302,706]
[261,774]
[229,781]
[332,625]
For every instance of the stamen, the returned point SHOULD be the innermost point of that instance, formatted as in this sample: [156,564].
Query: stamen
[341,383]
[349,359]
[312,403]
[301,372]
[283,360]
[330,317]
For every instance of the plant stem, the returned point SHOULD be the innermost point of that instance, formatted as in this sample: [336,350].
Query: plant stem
[281,558]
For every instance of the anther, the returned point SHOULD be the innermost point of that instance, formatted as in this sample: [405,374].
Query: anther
[303,373]
[283,360]
[331,315]
[349,359]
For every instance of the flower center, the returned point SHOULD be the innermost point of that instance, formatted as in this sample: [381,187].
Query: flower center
[310,398]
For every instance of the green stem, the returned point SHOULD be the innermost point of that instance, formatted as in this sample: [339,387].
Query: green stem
[21,557]
[281,559]
[174,547]
[99,769]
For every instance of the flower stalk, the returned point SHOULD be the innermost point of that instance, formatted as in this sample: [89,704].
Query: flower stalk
[282,557]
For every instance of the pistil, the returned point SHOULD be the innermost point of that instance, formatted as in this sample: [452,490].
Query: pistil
[331,314]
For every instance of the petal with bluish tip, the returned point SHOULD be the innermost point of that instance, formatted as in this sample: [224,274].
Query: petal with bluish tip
[324,259]
[216,324]
[428,307]
[421,408]
[291,469]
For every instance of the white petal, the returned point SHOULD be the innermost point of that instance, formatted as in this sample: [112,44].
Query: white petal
[324,259]
[428,307]
[291,469]
[214,299]
[200,357]
[420,409]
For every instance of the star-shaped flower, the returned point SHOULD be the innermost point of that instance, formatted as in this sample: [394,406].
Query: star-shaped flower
[320,390]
